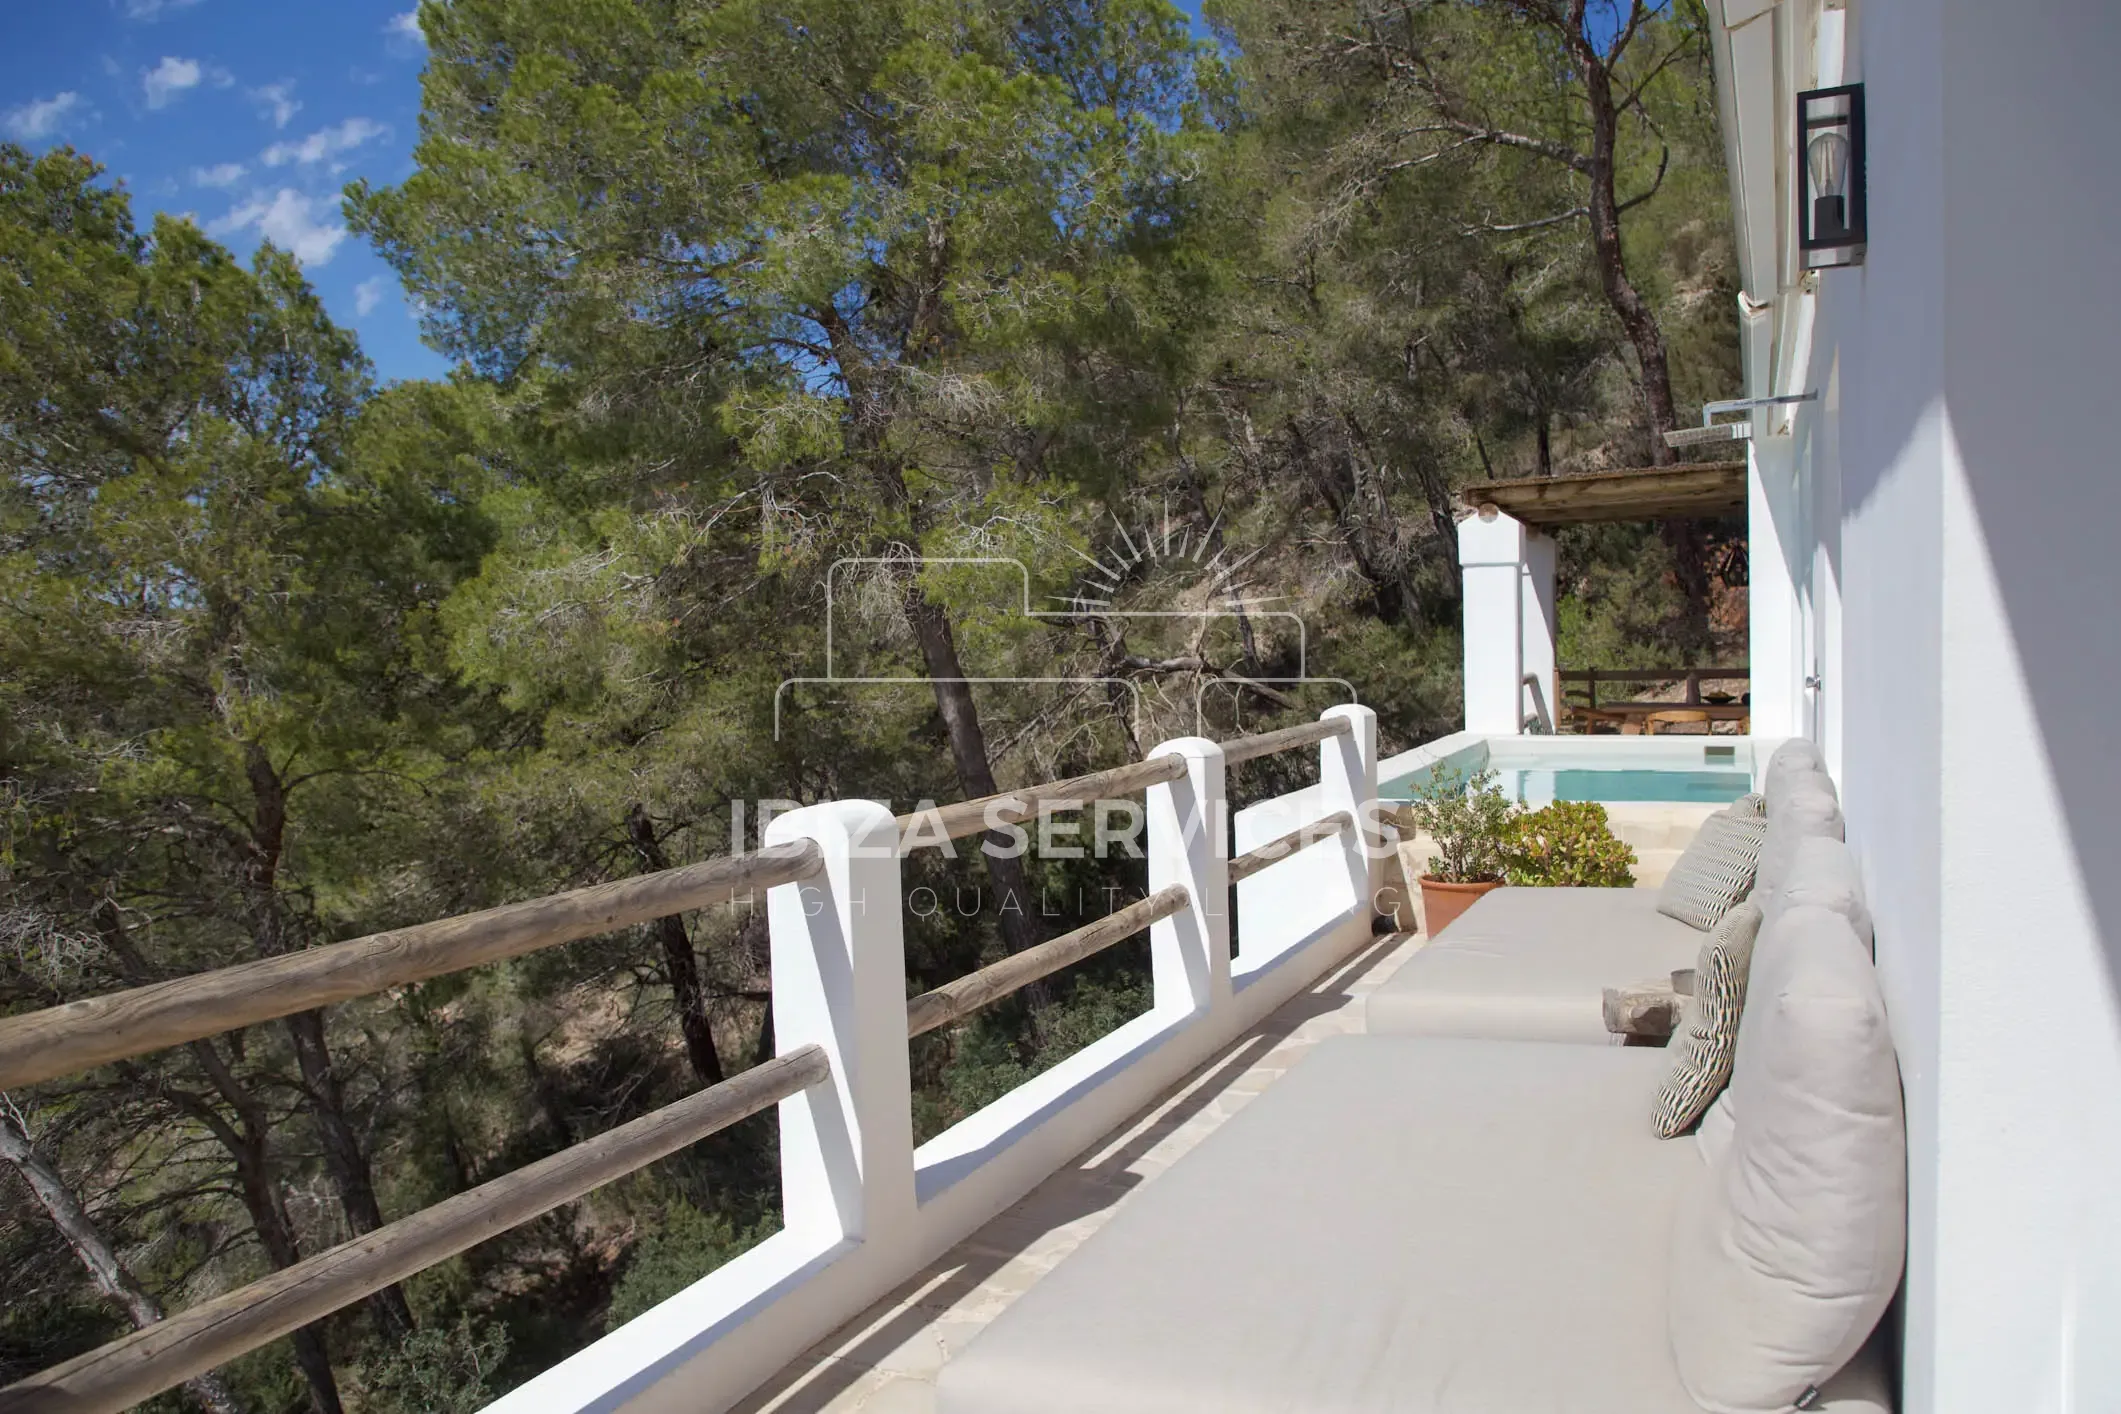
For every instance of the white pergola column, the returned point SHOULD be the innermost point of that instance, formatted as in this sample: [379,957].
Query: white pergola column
[1541,663]
[1774,627]
[1506,571]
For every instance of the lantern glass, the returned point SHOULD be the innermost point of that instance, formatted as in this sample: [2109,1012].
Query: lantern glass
[1830,212]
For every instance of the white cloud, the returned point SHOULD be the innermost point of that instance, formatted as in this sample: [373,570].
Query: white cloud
[406,26]
[169,78]
[42,117]
[278,101]
[290,220]
[227,174]
[323,144]
[366,296]
[152,10]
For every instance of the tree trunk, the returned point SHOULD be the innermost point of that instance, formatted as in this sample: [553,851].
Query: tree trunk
[345,1159]
[110,1275]
[968,751]
[681,966]
[1635,315]
[1688,543]
[323,1092]
[246,1147]
[867,439]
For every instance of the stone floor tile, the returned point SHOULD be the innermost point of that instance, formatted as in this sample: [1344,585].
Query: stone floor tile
[900,1394]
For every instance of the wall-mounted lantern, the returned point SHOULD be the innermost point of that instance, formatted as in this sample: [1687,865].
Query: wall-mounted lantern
[1830,206]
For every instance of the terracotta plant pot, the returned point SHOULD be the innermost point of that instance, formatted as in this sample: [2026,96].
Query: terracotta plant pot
[1442,902]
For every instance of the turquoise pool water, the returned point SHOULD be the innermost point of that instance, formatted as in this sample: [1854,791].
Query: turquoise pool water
[1537,787]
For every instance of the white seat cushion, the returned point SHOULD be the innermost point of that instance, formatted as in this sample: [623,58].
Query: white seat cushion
[1403,1224]
[1790,1244]
[1533,965]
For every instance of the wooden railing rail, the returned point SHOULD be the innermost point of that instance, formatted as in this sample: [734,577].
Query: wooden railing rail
[97,1030]
[80,1035]
[1013,807]
[1589,678]
[969,993]
[166,1354]
[1302,837]
[969,817]
[1251,748]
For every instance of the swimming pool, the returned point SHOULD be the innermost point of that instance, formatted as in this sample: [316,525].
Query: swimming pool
[1614,787]
[1538,770]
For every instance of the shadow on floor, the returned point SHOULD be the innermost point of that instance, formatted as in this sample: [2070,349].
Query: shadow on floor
[1072,1192]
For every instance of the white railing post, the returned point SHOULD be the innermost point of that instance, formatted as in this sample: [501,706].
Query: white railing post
[1347,779]
[839,982]
[1189,823]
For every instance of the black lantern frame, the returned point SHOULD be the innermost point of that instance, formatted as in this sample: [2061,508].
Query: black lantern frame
[1832,219]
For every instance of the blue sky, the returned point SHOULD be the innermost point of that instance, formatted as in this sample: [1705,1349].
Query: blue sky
[251,117]
[247,115]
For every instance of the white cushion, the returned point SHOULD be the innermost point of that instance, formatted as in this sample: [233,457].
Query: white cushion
[1713,1135]
[1808,811]
[1823,874]
[1789,1245]
[1533,965]
[1793,760]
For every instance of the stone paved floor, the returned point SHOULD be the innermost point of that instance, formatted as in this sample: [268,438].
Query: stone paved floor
[886,1360]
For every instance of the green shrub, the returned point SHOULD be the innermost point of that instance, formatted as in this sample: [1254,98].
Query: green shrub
[1567,845]
[1469,819]
[438,1370]
[680,1246]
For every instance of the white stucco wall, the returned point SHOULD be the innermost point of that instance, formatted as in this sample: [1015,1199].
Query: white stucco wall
[1966,488]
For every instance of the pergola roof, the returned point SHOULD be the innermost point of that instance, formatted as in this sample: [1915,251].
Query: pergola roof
[1652,493]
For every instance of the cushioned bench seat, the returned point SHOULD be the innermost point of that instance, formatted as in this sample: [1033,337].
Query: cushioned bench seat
[1410,1224]
[1533,965]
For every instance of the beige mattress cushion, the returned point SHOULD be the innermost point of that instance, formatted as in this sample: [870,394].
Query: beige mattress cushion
[1533,965]
[1406,1224]
[1789,1246]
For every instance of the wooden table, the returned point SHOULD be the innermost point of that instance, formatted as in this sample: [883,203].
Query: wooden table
[1631,716]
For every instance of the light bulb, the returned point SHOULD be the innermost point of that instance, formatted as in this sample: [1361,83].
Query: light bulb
[1828,158]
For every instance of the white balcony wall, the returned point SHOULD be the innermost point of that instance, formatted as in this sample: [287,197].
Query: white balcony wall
[1962,488]
[864,1208]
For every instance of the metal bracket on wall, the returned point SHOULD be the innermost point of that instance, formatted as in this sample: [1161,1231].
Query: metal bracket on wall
[1713,431]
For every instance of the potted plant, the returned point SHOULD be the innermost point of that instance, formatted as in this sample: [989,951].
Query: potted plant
[1567,845]
[1469,822]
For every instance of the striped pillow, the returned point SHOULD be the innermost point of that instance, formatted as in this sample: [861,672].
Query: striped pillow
[1749,807]
[1715,872]
[1708,1033]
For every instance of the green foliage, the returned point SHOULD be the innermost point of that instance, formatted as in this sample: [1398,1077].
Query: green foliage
[743,295]
[682,1245]
[438,1369]
[1566,845]
[1470,819]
